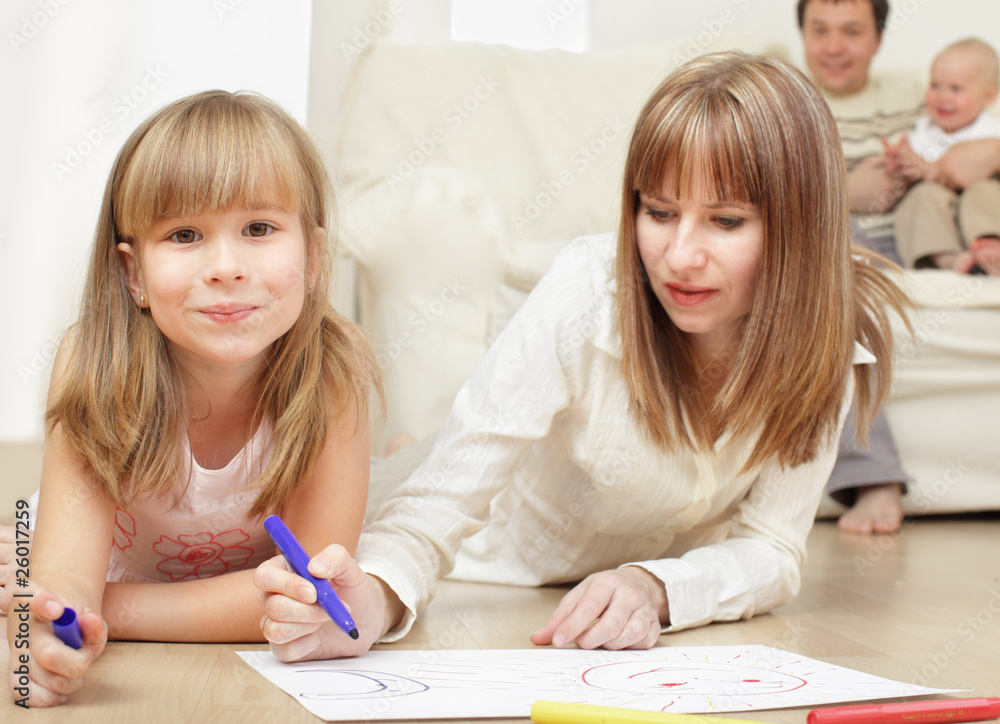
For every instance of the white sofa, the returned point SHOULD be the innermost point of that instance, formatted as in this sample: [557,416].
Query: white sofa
[462,168]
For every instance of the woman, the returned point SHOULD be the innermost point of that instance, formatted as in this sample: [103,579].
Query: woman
[660,417]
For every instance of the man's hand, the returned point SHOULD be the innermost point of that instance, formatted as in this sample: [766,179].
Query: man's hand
[876,185]
[965,163]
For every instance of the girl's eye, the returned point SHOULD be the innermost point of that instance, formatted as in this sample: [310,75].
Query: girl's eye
[729,222]
[259,228]
[185,236]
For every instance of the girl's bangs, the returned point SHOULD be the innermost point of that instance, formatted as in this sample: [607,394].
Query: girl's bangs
[207,161]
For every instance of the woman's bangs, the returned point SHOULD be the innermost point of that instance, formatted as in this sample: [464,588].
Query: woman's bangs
[186,168]
[700,145]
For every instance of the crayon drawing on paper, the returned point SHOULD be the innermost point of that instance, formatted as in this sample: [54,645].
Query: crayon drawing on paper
[504,683]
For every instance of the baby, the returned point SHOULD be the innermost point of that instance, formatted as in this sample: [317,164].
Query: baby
[937,226]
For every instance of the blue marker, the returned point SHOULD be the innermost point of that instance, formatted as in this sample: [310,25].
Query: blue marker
[298,559]
[67,628]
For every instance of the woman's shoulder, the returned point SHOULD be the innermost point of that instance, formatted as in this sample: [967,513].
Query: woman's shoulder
[588,261]
[579,290]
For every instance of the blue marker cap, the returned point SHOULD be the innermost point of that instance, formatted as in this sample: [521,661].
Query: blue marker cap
[67,628]
[298,559]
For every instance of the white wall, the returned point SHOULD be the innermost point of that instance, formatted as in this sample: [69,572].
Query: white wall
[76,76]
[65,66]
[915,31]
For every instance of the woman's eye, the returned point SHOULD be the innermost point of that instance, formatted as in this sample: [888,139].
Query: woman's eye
[259,228]
[659,214]
[729,222]
[185,236]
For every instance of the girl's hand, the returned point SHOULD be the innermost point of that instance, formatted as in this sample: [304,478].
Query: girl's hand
[47,671]
[298,629]
[619,609]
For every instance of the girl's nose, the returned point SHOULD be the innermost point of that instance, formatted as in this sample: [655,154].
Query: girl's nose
[225,262]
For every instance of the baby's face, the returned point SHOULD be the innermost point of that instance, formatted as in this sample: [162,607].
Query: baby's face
[960,90]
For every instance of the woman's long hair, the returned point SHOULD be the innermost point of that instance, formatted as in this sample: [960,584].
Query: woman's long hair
[755,130]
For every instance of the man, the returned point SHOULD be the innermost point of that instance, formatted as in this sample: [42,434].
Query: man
[873,111]
[841,37]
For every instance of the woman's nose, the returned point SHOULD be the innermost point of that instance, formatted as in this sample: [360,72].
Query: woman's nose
[686,250]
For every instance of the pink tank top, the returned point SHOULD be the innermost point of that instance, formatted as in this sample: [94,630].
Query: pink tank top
[205,533]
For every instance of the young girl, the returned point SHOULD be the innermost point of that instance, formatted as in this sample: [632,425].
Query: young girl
[660,417]
[207,383]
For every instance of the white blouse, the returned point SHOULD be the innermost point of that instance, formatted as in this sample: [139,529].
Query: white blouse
[541,475]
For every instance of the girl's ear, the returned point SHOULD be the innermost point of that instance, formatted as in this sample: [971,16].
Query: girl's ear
[314,262]
[133,273]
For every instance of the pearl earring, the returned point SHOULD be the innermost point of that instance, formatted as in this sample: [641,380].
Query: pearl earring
[142,300]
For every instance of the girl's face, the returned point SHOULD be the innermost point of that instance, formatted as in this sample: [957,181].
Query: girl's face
[221,286]
[701,254]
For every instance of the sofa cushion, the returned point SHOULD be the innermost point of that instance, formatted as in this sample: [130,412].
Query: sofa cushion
[428,261]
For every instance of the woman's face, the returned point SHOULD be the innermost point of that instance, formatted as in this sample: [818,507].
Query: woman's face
[701,254]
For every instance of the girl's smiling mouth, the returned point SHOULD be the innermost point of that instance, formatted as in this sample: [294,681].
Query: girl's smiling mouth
[229,312]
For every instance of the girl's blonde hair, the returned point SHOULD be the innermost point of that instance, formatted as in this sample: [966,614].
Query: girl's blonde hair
[757,129]
[121,405]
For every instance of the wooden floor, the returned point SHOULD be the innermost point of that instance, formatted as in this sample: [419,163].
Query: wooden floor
[922,607]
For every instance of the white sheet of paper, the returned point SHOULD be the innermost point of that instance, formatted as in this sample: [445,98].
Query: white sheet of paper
[385,685]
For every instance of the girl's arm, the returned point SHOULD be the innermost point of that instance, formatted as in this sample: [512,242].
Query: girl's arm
[70,550]
[327,507]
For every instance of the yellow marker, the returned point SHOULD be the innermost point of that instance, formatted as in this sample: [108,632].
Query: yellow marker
[555,712]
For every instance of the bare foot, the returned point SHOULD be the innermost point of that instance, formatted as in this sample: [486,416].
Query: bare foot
[986,252]
[878,509]
[958,261]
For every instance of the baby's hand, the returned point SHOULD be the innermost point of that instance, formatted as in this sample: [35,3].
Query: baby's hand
[903,161]
[43,670]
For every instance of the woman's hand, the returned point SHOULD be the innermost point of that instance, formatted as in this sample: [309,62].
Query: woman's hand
[620,609]
[298,629]
[48,671]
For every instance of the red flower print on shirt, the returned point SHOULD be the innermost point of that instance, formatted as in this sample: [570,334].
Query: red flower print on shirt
[124,529]
[202,555]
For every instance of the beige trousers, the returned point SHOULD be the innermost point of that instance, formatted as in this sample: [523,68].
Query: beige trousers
[932,219]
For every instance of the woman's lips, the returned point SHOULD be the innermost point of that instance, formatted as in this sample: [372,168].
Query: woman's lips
[689,296]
